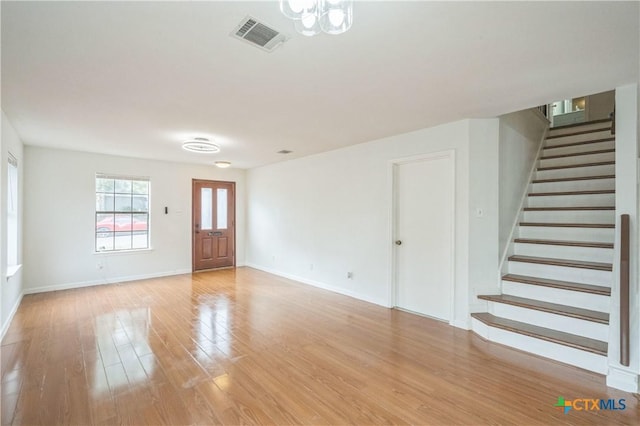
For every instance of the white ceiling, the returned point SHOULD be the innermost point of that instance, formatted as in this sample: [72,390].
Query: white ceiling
[137,78]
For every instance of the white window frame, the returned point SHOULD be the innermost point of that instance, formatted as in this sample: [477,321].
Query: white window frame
[113,217]
[12,213]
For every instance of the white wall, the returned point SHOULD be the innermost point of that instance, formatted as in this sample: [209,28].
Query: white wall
[315,219]
[59,218]
[627,174]
[12,288]
[484,255]
[521,134]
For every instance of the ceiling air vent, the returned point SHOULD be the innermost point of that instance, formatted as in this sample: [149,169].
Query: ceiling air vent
[258,34]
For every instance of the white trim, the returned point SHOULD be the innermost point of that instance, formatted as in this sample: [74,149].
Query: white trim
[123,252]
[319,284]
[523,199]
[12,270]
[623,379]
[393,283]
[5,326]
[114,280]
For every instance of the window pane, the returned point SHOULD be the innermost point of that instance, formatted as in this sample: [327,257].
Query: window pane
[123,240]
[123,222]
[104,185]
[104,241]
[104,223]
[140,203]
[140,187]
[104,202]
[140,240]
[123,186]
[12,212]
[221,222]
[123,203]
[206,208]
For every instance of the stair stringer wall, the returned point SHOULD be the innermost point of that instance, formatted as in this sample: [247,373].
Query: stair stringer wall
[532,166]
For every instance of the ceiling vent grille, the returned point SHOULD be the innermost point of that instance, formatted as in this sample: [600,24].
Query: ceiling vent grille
[258,34]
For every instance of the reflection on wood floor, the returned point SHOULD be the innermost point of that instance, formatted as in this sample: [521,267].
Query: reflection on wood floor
[243,346]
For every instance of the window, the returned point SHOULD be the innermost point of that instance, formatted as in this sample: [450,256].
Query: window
[12,211]
[122,213]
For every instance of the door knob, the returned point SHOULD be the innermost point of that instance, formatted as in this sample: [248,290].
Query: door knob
[398,242]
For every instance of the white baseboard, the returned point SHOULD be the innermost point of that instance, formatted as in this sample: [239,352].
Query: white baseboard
[623,379]
[7,323]
[463,324]
[104,281]
[324,286]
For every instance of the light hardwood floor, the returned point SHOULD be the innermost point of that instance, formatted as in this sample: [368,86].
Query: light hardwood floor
[242,346]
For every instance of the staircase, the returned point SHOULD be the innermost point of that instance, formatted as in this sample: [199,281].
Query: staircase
[555,296]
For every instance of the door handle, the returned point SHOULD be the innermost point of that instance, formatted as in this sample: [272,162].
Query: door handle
[398,242]
[197,228]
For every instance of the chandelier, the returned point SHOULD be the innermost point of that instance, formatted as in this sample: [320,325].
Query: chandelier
[315,16]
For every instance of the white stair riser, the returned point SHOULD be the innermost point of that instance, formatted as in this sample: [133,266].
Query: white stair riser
[578,299]
[576,326]
[574,185]
[599,235]
[579,159]
[568,355]
[578,138]
[582,128]
[570,216]
[588,254]
[609,169]
[572,200]
[578,148]
[562,273]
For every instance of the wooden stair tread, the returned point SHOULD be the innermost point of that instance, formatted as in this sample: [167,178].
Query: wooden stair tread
[569,225]
[584,123]
[563,285]
[570,179]
[581,132]
[539,209]
[589,192]
[554,336]
[566,145]
[553,308]
[577,154]
[570,263]
[564,243]
[574,166]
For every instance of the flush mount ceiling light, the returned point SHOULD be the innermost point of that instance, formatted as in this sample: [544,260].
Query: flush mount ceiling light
[201,146]
[315,16]
[222,164]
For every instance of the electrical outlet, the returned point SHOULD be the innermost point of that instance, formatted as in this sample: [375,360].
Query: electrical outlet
[350,275]
[99,266]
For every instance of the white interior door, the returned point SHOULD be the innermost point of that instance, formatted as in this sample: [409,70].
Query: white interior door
[424,235]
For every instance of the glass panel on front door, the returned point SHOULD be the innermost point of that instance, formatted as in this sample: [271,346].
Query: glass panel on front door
[206,208]
[221,209]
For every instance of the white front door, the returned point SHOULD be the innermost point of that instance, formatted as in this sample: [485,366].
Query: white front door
[424,218]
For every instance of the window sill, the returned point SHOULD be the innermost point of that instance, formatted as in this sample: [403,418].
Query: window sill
[115,252]
[12,270]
